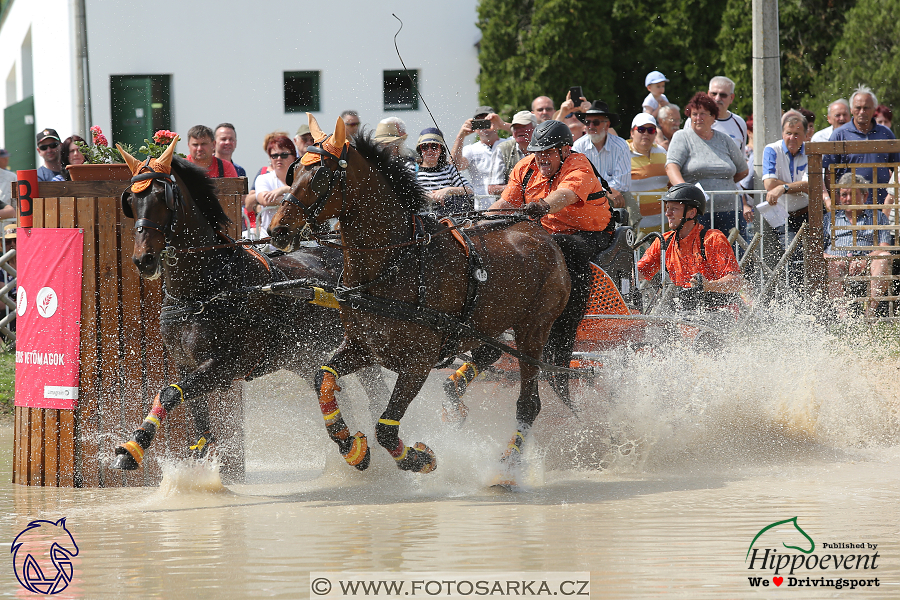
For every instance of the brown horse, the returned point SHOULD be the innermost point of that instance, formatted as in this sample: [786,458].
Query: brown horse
[214,333]
[406,268]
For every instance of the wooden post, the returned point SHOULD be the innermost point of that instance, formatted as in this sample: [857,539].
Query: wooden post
[123,364]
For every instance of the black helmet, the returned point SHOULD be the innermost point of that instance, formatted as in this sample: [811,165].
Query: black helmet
[689,195]
[550,134]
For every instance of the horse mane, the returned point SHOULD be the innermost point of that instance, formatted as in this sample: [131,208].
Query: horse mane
[202,191]
[402,180]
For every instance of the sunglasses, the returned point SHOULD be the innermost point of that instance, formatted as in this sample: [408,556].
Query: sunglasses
[595,122]
[719,94]
[647,129]
[430,146]
[282,156]
[43,147]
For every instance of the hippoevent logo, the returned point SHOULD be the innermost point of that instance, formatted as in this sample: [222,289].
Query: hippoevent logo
[807,568]
[42,556]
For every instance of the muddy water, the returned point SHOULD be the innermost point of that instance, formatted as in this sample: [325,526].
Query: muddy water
[658,490]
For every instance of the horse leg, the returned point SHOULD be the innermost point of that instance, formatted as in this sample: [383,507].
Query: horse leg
[130,454]
[418,458]
[349,358]
[205,439]
[198,384]
[372,382]
[454,411]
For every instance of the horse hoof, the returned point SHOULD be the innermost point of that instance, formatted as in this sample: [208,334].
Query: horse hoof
[124,461]
[204,443]
[419,459]
[358,456]
[454,414]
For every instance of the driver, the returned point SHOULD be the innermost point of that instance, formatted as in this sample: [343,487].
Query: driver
[559,187]
[702,261]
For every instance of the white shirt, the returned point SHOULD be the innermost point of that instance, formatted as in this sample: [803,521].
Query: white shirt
[480,156]
[613,161]
[266,183]
[823,135]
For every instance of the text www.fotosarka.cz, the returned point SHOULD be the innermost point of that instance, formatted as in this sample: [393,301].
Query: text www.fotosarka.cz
[449,585]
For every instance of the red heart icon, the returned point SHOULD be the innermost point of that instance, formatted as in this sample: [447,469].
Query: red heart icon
[778,580]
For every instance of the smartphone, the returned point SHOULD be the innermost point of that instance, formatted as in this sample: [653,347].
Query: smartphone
[481,124]
[576,94]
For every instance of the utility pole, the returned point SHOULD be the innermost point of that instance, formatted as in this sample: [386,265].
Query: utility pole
[766,79]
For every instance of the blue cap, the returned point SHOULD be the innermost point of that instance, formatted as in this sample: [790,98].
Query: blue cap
[654,77]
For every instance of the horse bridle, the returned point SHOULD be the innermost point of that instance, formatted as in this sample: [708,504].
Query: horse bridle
[173,196]
[322,183]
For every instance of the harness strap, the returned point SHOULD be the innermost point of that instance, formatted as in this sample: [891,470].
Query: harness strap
[221,167]
[439,321]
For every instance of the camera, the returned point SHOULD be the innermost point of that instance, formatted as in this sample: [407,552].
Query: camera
[576,94]
[481,124]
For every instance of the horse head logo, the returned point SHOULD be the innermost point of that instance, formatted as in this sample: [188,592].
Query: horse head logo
[812,544]
[42,556]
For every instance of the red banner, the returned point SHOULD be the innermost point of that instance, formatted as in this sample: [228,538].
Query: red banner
[47,317]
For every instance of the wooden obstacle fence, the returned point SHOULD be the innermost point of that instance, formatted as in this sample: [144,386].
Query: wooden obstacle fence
[123,364]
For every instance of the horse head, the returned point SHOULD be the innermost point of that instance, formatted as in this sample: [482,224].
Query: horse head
[152,201]
[318,181]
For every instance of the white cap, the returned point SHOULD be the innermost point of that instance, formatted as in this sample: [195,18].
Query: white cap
[643,119]
[654,77]
[524,117]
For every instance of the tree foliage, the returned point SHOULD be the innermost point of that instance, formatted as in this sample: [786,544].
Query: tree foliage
[542,47]
[808,30]
[531,48]
[868,52]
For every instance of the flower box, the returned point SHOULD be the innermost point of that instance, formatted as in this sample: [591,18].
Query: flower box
[101,172]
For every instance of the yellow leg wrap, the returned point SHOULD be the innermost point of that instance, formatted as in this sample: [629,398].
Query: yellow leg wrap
[403,454]
[135,450]
[331,418]
[461,372]
[358,450]
[180,391]
[389,422]
[516,442]
[152,418]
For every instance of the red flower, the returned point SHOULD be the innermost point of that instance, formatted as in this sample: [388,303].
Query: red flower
[164,136]
[95,130]
[100,140]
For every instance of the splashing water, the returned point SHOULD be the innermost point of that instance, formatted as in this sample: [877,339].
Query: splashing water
[785,390]
[189,476]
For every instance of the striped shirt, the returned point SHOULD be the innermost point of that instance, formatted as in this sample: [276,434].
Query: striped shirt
[436,178]
[613,161]
[648,174]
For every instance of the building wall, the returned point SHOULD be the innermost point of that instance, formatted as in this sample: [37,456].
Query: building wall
[47,25]
[227,60]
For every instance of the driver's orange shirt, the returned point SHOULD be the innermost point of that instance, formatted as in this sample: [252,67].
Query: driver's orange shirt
[574,174]
[683,258]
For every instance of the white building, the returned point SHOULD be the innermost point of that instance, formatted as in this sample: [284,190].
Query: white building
[259,65]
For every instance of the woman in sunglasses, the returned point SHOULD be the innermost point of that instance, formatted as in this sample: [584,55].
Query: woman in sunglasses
[449,191]
[270,186]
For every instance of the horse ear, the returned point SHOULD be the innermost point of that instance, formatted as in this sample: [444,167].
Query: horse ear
[314,129]
[133,163]
[340,134]
[166,159]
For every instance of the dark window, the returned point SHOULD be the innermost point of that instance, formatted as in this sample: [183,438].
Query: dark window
[399,91]
[301,91]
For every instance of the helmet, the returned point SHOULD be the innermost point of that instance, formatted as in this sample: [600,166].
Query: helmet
[550,134]
[689,195]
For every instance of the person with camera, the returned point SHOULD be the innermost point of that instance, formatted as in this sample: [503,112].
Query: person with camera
[560,187]
[698,260]
[478,157]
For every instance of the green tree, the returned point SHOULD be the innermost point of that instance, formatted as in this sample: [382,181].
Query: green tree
[808,31]
[671,37]
[531,48]
[867,53]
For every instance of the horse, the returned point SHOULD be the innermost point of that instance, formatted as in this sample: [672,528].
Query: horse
[205,320]
[427,296]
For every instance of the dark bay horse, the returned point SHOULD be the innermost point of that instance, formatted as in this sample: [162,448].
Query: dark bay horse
[213,334]
[402,265]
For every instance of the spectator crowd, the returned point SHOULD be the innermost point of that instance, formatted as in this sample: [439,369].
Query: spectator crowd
[712,150]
